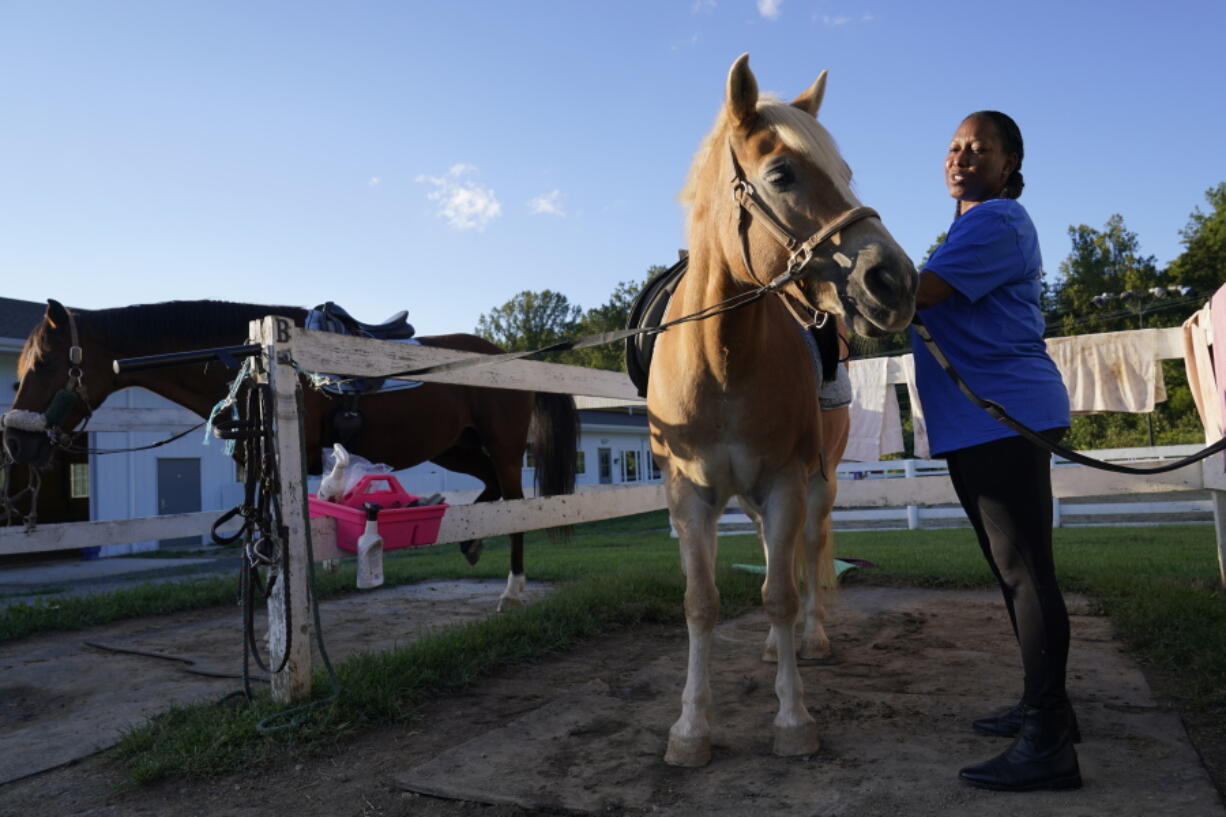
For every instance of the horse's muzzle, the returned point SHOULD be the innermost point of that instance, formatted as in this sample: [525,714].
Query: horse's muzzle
[881,291]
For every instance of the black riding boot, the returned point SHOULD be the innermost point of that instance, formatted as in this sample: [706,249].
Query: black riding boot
[1042,756]
[1008,723]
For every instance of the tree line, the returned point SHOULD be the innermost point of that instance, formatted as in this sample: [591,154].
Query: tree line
[1105,284]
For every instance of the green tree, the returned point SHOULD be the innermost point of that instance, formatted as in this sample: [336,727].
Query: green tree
[1101,261]
[530,320]
[1202,264]
[609,317]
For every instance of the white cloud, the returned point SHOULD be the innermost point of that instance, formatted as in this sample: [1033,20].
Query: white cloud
[375,181]
[462,201]
[702,6]
[548,204]
[769,8]
[837,20]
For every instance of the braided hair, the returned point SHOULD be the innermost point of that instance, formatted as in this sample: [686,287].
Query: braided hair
[1011,140]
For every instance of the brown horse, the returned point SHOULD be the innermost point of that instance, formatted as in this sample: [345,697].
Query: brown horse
[733,400]
[476,431]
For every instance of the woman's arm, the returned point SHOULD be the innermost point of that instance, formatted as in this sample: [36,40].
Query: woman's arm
[932,290]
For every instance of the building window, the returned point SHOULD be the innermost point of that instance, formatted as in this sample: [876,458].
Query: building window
[630,466]
[78,480]
[529,459]
[653,466]
[580,462]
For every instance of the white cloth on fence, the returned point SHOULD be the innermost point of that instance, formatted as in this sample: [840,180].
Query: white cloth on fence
[1198,362]
[876,427]
[1110,371]
[919,426]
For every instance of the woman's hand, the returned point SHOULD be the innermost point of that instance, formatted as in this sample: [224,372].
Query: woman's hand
[932,290]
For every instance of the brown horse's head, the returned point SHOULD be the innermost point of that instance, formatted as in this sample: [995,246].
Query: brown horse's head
[55,384]
[800,181]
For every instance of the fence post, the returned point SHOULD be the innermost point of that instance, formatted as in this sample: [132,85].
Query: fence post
[1056,520]
[908,469]
[1219,527]
[289,626]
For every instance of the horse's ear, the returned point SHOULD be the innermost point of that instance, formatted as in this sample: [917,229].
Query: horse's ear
[56,315]
[811,99]
[742,101]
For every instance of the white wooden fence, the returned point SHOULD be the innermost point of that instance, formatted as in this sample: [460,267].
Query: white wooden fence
[887,481]
[285,345]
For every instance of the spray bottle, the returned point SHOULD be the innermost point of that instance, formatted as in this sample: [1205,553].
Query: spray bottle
[370,551]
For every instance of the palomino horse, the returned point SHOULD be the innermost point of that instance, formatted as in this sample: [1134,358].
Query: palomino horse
[732,400]
[482,432]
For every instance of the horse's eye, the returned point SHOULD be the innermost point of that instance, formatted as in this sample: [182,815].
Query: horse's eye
[780,176]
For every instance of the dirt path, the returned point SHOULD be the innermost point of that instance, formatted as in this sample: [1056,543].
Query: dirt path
[584,733]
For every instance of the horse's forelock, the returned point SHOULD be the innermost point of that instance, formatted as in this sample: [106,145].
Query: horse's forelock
[805,135]
[798,130]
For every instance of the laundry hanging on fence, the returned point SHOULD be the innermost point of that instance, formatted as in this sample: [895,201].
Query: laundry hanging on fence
[1110,371]
[876,426]
[1198,362]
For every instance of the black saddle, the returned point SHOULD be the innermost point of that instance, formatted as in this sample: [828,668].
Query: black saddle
[648,312]
[330,317]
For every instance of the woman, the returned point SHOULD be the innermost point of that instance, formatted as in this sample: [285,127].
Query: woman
[979,296]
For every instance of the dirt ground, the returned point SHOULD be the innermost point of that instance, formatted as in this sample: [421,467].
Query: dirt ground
[585,732]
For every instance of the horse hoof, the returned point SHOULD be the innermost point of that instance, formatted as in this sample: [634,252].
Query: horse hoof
[791,741]
[472,550]
[508,602]
[815,651]
[689,752]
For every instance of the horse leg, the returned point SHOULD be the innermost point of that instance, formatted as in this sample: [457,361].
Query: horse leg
[467,457]
[696,519]
[783,518]
[818,554]
[508,465]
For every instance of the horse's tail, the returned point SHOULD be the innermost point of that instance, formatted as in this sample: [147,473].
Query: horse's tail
[555,441]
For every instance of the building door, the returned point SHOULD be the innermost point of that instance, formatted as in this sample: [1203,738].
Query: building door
[179,492]
[604,458]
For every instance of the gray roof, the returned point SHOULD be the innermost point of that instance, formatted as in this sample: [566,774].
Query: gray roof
[605,417]
[17,318]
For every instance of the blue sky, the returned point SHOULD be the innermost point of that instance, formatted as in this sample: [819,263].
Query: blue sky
[441,157]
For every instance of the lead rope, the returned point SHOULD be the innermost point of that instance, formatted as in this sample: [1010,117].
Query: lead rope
[9,502]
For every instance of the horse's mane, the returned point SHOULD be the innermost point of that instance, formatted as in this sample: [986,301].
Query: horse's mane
[192,324]
[798,130]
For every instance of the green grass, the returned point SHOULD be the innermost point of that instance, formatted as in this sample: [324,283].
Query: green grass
[1158,584]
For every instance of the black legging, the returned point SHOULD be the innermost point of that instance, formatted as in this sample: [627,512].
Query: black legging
[1005,489]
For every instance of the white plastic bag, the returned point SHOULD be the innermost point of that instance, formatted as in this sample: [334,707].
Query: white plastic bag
[343,471]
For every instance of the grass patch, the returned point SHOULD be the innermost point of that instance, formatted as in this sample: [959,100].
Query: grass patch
[610,577]
[1158,584]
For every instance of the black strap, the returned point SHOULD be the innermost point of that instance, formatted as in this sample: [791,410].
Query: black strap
[998,412]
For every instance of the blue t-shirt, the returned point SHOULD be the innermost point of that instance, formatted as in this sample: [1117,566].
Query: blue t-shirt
[991,329]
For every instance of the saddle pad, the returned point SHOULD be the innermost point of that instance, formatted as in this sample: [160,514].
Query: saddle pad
[372,385]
